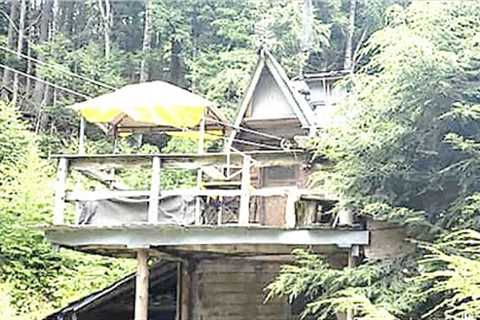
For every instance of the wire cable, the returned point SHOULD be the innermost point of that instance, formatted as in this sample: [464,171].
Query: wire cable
[240,128]
[46,82]
[246,142]
[58,68]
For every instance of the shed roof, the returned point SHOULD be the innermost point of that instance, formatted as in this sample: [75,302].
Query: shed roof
[124,287]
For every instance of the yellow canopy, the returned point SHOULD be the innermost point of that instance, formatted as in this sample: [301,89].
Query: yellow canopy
[155,103]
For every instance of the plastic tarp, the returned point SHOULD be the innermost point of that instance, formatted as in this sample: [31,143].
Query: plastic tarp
[156,102]
[178,210]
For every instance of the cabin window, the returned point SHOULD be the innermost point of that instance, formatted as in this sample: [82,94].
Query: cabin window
[280,176]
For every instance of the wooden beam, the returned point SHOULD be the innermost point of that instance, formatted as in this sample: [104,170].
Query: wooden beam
[141,287]
[184,161]
[59,204]
[104,178]
[244,215]
[154,191]
[263,192]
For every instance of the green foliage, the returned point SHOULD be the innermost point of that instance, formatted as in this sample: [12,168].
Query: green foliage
[373,290]
[451,270]
[406,146]
[14,140]
[408,134]
[40,277]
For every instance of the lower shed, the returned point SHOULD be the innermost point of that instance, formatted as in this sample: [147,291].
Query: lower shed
[117,300]
[206,289]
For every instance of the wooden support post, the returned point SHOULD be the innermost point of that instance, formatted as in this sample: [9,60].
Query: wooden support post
[59,205]
[154,191]
[141,287]
[352,253]
[185,279]
[244,215]
[81,138]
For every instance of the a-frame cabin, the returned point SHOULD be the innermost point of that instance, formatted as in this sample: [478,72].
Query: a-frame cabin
[272,106]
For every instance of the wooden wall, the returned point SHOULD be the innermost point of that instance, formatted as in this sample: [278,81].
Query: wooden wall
[229,289]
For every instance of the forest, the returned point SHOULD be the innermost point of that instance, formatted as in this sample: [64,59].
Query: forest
[406,151]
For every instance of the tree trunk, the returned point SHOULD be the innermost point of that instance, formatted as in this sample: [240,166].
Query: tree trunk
[194,37]
[21,27]
[43,37]
[348,65]
[107,19]
[176,63]
[307,37]
[10,41]
[146,41]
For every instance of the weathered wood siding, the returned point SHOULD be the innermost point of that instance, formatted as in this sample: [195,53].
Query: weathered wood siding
[234,290]
[387,241]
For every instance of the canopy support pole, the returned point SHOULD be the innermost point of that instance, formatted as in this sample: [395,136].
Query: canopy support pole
[141,288]
[81,142]
[115,136]
[201,150]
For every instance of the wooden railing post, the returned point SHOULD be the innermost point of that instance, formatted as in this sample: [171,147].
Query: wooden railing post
[81,138]
[141,287]
[59,204]
[290,214]
[244,215]
[198,204]
[154,191]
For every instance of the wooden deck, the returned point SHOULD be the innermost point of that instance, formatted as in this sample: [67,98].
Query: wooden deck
[232,240]
[241,236]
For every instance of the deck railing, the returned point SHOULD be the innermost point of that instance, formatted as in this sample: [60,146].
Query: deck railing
[96,165]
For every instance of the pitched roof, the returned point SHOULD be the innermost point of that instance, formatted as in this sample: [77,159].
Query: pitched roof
[299,105]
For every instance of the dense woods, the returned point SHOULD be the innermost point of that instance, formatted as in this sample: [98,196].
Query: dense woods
[405,150]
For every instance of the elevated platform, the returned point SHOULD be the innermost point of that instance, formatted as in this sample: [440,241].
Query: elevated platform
[177,240]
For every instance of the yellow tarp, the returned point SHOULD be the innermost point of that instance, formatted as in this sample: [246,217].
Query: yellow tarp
[157,103]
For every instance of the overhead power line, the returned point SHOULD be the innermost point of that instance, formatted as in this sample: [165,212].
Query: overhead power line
[46,82]
[59,69]
[240,128]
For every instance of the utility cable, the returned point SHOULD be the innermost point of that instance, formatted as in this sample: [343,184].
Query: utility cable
[46,82]
[240,128]
[58,68]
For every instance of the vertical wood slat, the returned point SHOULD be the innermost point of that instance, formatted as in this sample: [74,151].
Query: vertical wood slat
[290,215]
[244,215]
[198,209]
[59,204]
[141,287]
[154,191]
